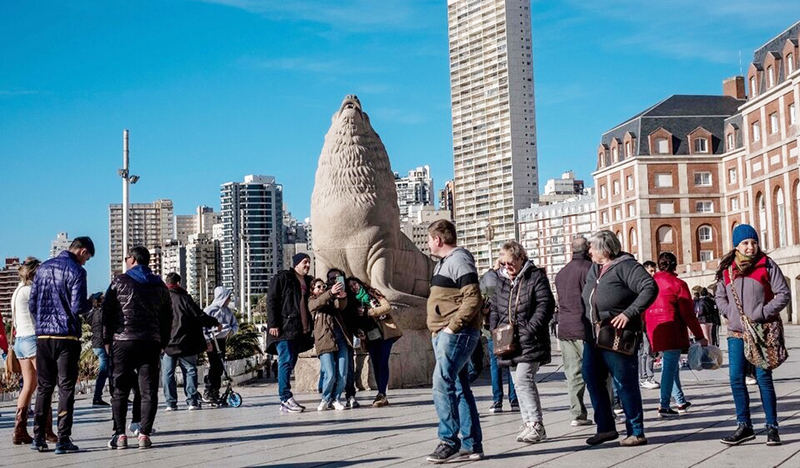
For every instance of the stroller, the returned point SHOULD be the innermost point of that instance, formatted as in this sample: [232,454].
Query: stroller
[229,397]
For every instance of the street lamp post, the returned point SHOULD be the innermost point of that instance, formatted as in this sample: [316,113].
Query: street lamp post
[127,180]
[489,234]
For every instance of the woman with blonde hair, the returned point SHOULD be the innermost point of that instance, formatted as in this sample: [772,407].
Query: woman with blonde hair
[24,341]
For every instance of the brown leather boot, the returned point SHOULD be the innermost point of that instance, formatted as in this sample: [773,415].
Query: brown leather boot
[49,435]
[20,435]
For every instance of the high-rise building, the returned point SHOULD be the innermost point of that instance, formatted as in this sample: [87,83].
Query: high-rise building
[446,195]
[149,224]
[414,191]
[60,244]
[565,188]
[254,209]
[494,123]
[416,227]
[9,280]
[202,267]
[173,259]
[202,221]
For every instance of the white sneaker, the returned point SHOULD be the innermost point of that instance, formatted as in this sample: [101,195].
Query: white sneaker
[195,407]
[750,381]
[352,403]
[650,385]
[323,405]
[536,434]
[338,405]
[580,422]
[525,430]
[291,402]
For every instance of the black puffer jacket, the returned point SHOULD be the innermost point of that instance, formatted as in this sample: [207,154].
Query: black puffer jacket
[532,306]
[188,321]
[283,310]
[137,307]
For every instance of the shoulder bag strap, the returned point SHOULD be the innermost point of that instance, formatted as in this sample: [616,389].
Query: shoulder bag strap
[13,315]
[736,297]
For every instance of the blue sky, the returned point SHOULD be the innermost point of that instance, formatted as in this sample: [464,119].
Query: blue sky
[212,90]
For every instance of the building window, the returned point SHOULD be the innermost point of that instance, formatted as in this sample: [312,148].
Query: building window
[628,149]
[731,142]
[664,235]
[663,179]
[771,76]
[700,145]
[734,204]
[792,115]
[603,192]
[704,207]
[662,146]
[617,214]
[732,175]
[773,123]
[616,187]
[665,208]
[781,208]
[706,255]
[762,221]
[702,179]
[704,233]
[789,63]
[629,182]
[633,241]
[752,86]
[755,130]
[614,154]
[631,211]
[605,217]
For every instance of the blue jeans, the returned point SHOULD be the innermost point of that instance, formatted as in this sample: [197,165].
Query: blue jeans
[597,365]
[334,367]
[102,373]
[452,397]
[287,359]
[189,368]
[671,378]
[737,364]
[497,378]
[379,353]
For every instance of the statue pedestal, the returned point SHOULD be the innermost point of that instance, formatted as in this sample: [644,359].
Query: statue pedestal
[410,365]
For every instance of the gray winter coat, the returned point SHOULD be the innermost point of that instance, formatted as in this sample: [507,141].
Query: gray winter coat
[763,292]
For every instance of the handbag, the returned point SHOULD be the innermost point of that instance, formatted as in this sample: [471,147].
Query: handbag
[764,344]
[609,337]
[505,338]
[12,363]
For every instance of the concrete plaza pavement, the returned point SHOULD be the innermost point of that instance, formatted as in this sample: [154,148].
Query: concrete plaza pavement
[404,433]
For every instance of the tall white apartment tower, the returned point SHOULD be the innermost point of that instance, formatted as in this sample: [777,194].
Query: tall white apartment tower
[494,120]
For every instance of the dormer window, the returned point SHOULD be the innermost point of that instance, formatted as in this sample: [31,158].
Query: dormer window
[789,63]
[753,86]
[731,142]
[662,146]
[614,154]
[771,76]
[700,145]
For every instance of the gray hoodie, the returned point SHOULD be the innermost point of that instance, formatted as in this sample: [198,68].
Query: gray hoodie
[222,313]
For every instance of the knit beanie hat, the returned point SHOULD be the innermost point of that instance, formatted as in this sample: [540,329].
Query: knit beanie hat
[297,258]
[743,232]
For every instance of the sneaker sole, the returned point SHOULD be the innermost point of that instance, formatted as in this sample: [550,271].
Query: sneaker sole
[438,461]
[746,439]
[774,444]
[64,452]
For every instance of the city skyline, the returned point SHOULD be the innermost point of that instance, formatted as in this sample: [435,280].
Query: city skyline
[212,92]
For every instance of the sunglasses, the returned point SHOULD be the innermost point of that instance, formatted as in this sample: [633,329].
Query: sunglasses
[322,286]
[506,264]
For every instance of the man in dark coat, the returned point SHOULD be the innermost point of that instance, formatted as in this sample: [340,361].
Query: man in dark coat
[185,343]
[137,317]
[290,324]
[58,298]
[569,286]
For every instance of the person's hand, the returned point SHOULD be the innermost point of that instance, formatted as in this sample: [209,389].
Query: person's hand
[703,342]
[361,335]
[108,348]
[619,321]
[219,327]
[448,330]
[274,331]
[337,288]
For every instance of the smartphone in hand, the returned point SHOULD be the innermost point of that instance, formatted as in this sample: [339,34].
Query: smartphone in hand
[340,279]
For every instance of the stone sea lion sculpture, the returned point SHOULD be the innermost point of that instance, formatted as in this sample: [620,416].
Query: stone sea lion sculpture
[354,211]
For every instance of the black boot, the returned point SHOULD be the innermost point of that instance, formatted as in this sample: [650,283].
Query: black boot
[743,434]
[772,436]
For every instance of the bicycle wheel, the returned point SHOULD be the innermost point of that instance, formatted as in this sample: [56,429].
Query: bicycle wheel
[235,400]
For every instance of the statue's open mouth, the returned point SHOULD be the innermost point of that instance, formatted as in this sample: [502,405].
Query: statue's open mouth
[351,102]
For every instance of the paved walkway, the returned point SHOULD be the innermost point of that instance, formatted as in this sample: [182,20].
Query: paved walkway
[404,433]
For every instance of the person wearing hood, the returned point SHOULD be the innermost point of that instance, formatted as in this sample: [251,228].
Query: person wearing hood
[219,310]
[185,343]
[618,290]
[290,324]
[523,298]
[137,321]
[750,283]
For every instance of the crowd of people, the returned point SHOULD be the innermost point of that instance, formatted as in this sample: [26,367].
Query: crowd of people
[615,316]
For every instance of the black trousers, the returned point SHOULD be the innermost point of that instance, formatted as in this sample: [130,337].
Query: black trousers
[130,358]
[215,367]
[136,410]
[56,363]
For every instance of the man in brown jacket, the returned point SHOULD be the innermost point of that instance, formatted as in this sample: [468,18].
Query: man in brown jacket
[454,319]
